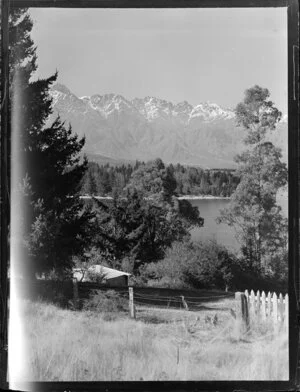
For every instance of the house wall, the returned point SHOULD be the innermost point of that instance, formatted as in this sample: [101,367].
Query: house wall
[118,281]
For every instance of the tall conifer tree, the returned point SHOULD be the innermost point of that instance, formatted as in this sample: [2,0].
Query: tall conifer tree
[46,162]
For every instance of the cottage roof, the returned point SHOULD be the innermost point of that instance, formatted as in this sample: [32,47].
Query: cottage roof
[109,273]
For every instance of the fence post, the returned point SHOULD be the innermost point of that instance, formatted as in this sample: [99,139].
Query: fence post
[286,311]
[131,303]
[242,313]
[247,296]
[275,308]
[269,304]
[263,305]
[280,308]
[258,303]
[75,293]
[252,303]
[184,303]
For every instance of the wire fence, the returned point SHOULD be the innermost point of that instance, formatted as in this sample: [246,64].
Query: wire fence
[152,297]
[65,291]
[179,301]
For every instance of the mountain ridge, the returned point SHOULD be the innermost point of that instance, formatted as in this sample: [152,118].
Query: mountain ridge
[146,128]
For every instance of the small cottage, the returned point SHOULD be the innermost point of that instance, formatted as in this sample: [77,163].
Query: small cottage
[107,276]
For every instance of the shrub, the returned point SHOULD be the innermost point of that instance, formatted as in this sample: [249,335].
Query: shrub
[57,292]
[207,264]
[204,264]
[170,271]
[58,275]
[212,266]
[105,301]
[167,282]
[247,279]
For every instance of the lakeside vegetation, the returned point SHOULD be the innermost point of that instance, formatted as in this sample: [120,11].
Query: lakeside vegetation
[104,180]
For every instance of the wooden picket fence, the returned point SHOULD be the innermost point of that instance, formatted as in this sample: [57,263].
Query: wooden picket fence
[267,306]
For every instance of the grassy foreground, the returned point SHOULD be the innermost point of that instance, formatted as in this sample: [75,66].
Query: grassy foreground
[160,344]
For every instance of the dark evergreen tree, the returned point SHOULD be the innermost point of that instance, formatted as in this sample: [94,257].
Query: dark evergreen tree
[89,182]
[131,226]
[46,155]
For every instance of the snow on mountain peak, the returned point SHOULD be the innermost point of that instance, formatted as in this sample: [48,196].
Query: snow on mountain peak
[210,111]
[151,108]
[60,92]
[183,107]
[107,104]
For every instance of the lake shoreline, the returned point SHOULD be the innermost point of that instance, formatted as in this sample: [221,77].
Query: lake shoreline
[182,197]
[204,197]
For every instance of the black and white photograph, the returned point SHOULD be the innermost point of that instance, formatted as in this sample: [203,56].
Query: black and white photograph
[149,194]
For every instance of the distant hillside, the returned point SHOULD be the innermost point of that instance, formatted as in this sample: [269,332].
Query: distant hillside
[102,160]
[121,131]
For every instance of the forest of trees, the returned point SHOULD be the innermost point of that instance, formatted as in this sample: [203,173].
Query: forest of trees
[105,179]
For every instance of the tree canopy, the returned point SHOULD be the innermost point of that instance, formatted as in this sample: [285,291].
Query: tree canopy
[141,222]
[253,211]
[103,180]
[157,182]
[154,179]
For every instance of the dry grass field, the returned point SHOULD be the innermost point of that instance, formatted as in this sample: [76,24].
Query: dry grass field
[161,344]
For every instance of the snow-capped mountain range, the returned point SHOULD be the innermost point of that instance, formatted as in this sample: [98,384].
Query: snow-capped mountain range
[119,129]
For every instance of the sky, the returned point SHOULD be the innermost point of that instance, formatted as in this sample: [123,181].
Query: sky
[195,55]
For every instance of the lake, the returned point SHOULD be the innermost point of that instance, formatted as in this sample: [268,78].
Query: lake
[209,210]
